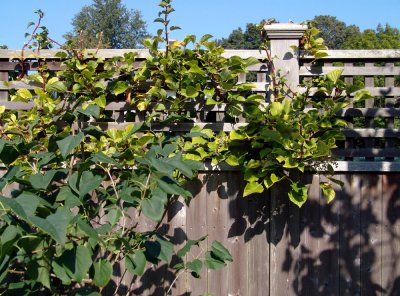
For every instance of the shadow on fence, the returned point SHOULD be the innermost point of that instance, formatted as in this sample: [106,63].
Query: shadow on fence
[348,247]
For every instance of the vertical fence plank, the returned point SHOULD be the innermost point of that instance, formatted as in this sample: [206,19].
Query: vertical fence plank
[309,265]
[176,221]
[224,224]
[285,243]
[238,280]
[257,237]
[349,236]
[217,225]
[371,217]
[329,257]
[3,93]
[390,269]
[196,226]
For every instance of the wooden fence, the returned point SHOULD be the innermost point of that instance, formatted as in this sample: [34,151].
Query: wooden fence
[349,247]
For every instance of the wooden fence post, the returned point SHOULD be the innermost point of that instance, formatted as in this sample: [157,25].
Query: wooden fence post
[283,37]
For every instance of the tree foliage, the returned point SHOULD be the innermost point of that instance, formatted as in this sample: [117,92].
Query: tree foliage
[383,37]
[334,32]
[120,27]
[250,38]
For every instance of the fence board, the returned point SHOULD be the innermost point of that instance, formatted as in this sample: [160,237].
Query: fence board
[196,225]
[218,225]
[371,217]
[390,249]
[257,238]
[349,237]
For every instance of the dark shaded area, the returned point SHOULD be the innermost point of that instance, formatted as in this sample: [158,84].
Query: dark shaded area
[348,247]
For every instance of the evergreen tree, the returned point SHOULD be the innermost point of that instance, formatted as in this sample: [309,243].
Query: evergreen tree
[120,27]
[384,37]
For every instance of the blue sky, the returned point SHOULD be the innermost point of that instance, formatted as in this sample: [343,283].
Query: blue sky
[215,17]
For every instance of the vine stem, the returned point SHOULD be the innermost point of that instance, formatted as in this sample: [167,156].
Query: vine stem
[114,186]
[26,44]
[175,279]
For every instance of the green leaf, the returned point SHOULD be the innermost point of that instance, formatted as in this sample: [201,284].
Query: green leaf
[56,86]
[66,194]
[195,266]
[220,252]
[90,110]
[298,193]
[19,209]
[185,249]
[191,92]
[9,233]
[101,101]
[40,181]
[75,263]
[328,191]
[276,108]
[159,249]
[113,216]
[172,188]
[89,182]
[24,93]
[39,271]
[152,208]
[60,272]
[102,273]
[120,87]
[235,135]
[9,175]
[252,187]
[334,75]
[100,157]
[69,143]
[89,230]
[213,263]
[136,263]
[55,224]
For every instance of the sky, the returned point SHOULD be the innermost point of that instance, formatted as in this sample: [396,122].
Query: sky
[200,17]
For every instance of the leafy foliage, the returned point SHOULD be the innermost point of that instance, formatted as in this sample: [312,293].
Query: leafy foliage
[68,222]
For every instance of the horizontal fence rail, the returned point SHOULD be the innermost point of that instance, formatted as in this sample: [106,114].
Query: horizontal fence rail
[373,126]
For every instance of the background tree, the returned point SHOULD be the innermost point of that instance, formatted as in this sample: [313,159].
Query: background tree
[239,39]
[120,27]
[384,37]
[334,32]
[3,46]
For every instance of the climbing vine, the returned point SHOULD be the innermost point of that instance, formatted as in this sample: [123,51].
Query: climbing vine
[80,189]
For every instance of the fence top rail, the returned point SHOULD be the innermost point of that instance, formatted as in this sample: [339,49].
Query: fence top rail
[6,54]
[359,54]
[368,54]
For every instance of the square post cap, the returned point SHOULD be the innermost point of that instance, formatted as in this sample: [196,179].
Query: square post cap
[285,30]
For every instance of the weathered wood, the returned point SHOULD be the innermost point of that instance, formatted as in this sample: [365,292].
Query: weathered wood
[367,152]
[196,226]
[218,223]
[390,241]
[257,237]
[350,71]
[358,54]
[349,237]
[371,240]
[3,93]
